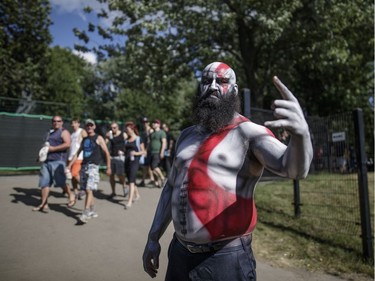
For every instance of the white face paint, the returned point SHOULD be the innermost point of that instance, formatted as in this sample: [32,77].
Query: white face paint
[217,80]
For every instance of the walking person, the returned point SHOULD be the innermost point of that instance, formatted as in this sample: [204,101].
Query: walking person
[158,143]
[134,150]
[92,147]
[168,152]
[53,167]
[209,195]
[145,136]
[76,138]
[116,140]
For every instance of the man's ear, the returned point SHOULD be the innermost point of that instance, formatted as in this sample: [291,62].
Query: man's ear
[235,89]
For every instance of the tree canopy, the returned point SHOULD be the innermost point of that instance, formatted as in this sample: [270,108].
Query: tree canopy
[323,50]
[24,40]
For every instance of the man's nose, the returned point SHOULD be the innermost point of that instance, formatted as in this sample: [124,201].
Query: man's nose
[213,85]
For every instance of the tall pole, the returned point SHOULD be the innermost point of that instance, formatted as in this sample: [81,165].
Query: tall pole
[363,184]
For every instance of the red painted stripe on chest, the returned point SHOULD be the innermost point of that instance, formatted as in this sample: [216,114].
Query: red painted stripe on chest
[222,213]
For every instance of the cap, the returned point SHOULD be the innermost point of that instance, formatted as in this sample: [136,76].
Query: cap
[89,121]
[157,121]
[144,119]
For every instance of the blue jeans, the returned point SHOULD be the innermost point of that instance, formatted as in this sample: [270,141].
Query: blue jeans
[228,264]
[52,172]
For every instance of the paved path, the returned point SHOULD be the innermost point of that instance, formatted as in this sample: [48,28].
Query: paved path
[55,246]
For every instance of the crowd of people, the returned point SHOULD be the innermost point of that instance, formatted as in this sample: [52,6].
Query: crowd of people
[72,160]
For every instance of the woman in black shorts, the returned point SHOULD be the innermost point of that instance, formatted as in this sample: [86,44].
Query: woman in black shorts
[134,149]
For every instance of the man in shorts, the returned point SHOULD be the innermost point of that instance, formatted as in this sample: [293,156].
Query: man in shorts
[76,139]
[158,144]
[116,140]
[53,168]
[92,146]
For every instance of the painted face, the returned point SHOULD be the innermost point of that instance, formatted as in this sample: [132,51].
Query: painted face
[217,80]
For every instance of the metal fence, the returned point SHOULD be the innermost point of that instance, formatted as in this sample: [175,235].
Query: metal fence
[328,201]
[22,135]
[329,194]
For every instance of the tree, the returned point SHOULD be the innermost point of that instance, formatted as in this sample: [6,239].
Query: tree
[321,49]
[66,82]
[24,39]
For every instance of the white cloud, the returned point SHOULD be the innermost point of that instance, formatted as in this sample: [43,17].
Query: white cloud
[89,56]
[69,6]
[77,6]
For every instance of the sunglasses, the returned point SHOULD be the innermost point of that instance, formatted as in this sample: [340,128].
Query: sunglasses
[56,121]
[89,125]
[113,127]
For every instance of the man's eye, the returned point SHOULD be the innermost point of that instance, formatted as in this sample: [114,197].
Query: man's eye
[222,80]
[206,81]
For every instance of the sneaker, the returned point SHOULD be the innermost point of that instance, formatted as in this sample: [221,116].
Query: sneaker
[126,191]
[142,184]
[93,214]
[84,217]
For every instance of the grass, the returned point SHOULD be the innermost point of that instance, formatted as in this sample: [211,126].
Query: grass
[326,237]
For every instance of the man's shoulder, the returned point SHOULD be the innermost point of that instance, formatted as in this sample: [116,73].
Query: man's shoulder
[160,134]
[251,129]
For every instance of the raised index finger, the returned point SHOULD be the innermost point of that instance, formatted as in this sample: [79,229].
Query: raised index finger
[284,91]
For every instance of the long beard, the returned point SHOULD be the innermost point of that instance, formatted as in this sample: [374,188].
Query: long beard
[214,114]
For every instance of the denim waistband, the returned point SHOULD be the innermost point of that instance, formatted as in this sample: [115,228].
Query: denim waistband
[215,246]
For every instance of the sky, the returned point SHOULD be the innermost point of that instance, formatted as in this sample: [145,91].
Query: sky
[68,14]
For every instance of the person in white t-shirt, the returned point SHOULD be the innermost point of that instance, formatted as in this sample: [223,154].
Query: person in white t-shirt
[76,139]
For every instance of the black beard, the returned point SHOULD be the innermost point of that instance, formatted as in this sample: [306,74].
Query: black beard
[214,114]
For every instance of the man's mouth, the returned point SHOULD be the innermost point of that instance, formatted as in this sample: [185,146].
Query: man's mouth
[214,96]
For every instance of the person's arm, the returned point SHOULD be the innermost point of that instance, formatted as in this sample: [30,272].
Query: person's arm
[163,146]
[82,135]
[65,135]
[294,161]
[163,217]
[142,150]
[103,145]
[75,156]
[171,142]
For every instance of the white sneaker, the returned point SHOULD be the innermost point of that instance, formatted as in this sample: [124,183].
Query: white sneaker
[93,214]
[84,217]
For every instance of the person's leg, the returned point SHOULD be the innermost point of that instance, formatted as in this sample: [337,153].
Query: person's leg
[131,195]
[112,183]
[75,176]
[150,174]
[155,160]
[112,180]
[71,196]
[45,180]
[123,184]
[160,176]
[89,199]
[85,216]
[137,196]
[45,194]
[121,175]
[91,185]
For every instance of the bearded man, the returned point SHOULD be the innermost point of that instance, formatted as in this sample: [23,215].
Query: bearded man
[209,194]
